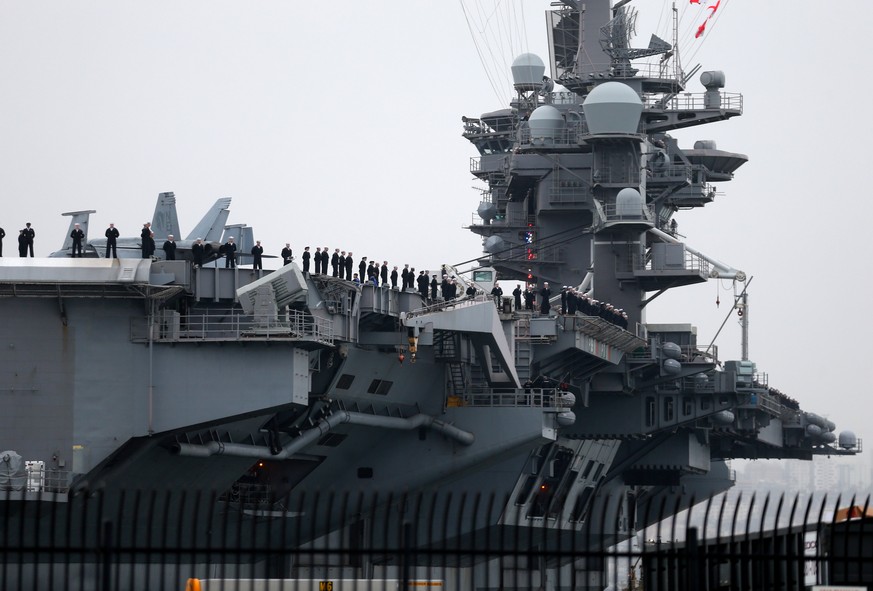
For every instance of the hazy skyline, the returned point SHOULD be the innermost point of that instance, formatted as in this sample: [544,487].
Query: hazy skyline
[340,126]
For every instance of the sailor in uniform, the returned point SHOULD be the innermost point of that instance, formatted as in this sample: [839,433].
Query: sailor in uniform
[545,294]
[77,235]
[306,256]
[257,256]
[349,264]
[334,263]
[287,255]
[29,235]
[169,248]
[111,241]
[230,254]
[197,252]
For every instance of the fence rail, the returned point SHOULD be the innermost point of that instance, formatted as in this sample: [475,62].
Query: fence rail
[153,540]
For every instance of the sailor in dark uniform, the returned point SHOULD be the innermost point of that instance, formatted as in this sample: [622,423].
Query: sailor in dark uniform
[394,278]
[422,285]
[349,264]
[2,236]
[497,294]
[197,252]
[434,287]
[29,235]
[383,273]
[334,263]
[572,302]
[325,259]
[22,244]
[317,258]
[230,254]
[78,236]
[545,294]
[257,256]
[145,235]
[516,294]
[362,269]
[405,276]
[287,255]
[342,265]
[111,241]
[306,256]
[169,248]
[528,299]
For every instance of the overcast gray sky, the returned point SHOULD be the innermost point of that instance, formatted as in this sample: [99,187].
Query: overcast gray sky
[338,124]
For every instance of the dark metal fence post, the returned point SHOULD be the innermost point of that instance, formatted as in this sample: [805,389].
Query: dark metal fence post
[106,556]
[692,565]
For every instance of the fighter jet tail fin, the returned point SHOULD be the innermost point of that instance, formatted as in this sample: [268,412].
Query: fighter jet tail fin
[76,217]
[210,228]
[165,221]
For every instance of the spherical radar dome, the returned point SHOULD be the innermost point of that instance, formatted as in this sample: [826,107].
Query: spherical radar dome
[545,122]
[629,202]
[612,107]
[494,244]
[527,72]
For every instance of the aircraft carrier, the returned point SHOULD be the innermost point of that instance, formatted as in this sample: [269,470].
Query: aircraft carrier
[137,374]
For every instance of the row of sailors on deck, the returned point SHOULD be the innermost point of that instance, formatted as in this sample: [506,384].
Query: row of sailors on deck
[573,300]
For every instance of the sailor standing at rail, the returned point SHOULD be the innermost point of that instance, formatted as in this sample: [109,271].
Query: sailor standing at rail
[306,257]
[111,241]
[545,294]
[325,260]
[497,293]
[145,237]
[2,236]
[334,263]
[230,254]
[22,244]
[257,256]
[77,235]
[170,248]
[29,235]
[197,252]
[349,264]
[287,255]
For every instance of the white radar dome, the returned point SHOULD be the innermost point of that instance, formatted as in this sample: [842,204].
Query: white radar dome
[629,203]
[527,72]
[545,122]
[612,107]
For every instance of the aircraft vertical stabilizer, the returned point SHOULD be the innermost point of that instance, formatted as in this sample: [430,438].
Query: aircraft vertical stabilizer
[212,224]
[165,221]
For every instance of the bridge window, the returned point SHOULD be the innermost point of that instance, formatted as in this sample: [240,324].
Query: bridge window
[580,507]
[668,409]
[650,411]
